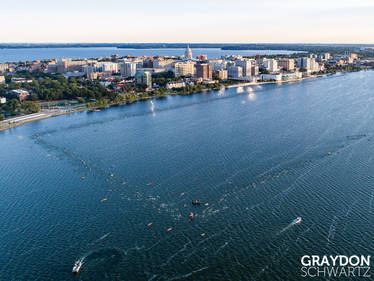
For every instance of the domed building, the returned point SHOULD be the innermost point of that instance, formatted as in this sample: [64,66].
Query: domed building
[188,53]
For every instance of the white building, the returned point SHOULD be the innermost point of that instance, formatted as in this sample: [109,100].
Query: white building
[174,85]
[128,69]
[188,53]
[2,80]
[271,77]
[2,100]
[292,75]
[271,65]
[108,67]
[246,66]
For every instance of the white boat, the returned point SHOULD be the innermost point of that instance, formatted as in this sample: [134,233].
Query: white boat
[297,220]
[77,266]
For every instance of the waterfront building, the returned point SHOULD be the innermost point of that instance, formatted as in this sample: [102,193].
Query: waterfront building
[314,66]
[128,69]
[304,63]
[254,70]
[286,64]
[2,80]
[271,77]
[271,65]
[245,65]
[2,100]
[235,72]
[144,78]
[188,53]
[292,75]
[204,71]
[184,69]
[222,74]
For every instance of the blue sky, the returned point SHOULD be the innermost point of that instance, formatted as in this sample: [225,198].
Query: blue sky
[239,21]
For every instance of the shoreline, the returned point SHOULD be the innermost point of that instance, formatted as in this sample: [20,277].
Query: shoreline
[12,122]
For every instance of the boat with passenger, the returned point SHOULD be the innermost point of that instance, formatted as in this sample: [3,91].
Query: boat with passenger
[77,266]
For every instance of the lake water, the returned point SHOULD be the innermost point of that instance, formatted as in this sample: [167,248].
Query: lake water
[256,157]
[30,54]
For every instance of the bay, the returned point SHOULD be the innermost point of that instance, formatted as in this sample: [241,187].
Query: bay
[31,54]
[257,157]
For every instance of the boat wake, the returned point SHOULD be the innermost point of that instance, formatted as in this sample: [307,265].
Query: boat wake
[293,223]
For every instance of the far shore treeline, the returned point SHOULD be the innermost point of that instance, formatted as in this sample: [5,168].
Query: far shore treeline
[314,48]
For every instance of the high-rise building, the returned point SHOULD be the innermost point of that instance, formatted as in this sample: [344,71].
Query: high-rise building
[144,78]
[286,64]
[111,67]
[245,65]
[234,72]
[90,71]
[222,74]
[204,71]
[309,64]
[188,53]
[128,69]
[271,65]
[254,70]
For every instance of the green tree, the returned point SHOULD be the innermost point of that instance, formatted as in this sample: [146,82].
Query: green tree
[14,105]
[30,107]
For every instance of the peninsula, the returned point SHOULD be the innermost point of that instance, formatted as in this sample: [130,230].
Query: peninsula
[35,90]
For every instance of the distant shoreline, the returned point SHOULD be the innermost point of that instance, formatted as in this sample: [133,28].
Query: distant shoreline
[10,123]
[302,47]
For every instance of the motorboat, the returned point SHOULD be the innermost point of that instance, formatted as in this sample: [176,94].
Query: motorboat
[77,266]
[297,220]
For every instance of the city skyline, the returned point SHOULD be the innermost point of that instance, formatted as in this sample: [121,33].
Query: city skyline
[238,21]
